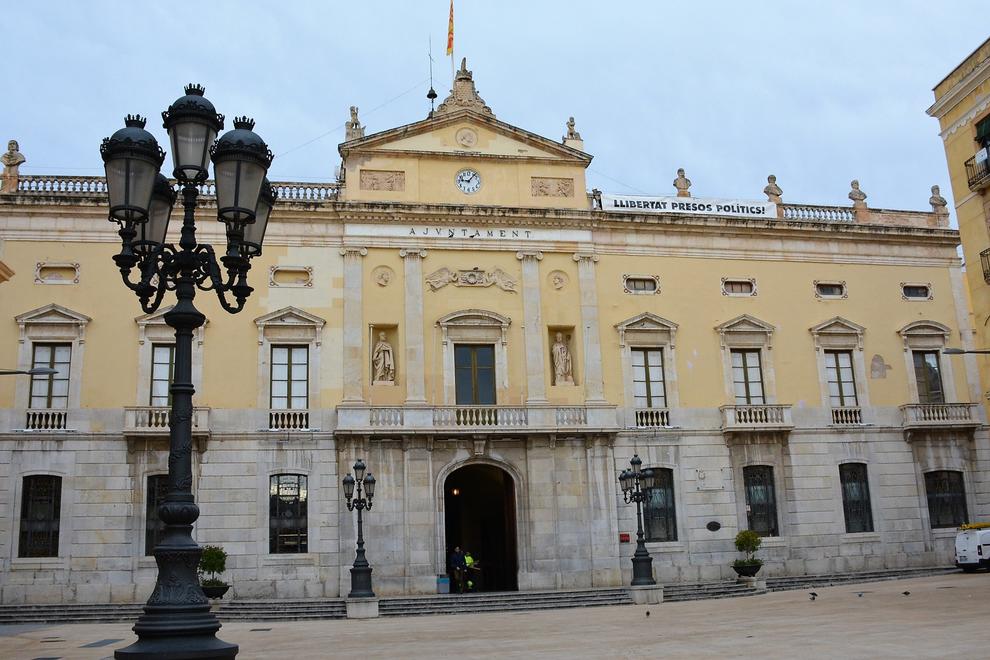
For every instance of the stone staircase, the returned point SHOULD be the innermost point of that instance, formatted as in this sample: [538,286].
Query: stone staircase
[70,613]
[673,593]
[506,601]
[282,610]
[811,581]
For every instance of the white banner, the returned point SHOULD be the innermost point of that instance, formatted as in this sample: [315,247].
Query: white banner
[443,233]
[737,208]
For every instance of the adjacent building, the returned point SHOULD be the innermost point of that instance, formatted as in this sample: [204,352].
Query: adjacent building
[496,342]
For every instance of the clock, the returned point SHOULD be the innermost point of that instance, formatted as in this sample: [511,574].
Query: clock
[468,181]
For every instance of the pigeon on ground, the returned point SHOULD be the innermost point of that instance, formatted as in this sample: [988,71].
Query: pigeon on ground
[647,613]
[813,595]
[860,594]
[907,593]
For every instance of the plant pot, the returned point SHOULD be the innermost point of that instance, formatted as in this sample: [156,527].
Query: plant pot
[216,591]
[747,570]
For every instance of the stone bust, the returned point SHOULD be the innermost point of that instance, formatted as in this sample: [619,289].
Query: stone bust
[12,159]
[857,196]
[682,183]
[772,190]
[563,369]
[383,361]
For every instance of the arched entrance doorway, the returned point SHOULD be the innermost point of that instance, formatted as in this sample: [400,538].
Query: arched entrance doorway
[480,516]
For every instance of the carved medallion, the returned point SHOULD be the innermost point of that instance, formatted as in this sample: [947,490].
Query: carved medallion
[558,279]
[466,137]
[383,275]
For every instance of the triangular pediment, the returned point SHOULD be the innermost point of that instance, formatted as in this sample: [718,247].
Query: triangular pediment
[52,314]
[745,323]
[837,326]
[464,134]
[290,316]
[647,321]
[925,328]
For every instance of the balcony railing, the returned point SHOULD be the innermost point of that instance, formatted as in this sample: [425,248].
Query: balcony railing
[985,262]
[572,416]
[756,418]
[810,213]
[977,174]
[154,420]
[652,418]
[847,416]
[46,419]
[480,416]
[386,417]
[417,419]
[288,420]
[939,415]
[96,185]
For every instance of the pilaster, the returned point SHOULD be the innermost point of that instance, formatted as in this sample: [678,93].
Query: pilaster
[353,334]
[533,332]
[594,387]
[415,362]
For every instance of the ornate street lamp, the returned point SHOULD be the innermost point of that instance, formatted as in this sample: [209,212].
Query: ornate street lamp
[177,622]
[360,500]
[635,482]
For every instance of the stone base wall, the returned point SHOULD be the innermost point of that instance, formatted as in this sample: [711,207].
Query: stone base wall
[569,511]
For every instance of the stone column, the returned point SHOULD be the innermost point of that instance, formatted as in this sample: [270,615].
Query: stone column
[415,367]
[594,388]
[533,331]
[353,330]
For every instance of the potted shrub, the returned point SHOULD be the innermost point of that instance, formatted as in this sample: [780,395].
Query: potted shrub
[213,563]
[748,542]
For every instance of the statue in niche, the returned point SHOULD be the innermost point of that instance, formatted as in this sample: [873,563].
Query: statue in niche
[682,183]
[772,190]
[383,360]
[563,369]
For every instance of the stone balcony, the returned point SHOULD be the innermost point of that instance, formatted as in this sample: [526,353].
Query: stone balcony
[939,417]
[511,420]
[153,421]
[740,421]
[46,420]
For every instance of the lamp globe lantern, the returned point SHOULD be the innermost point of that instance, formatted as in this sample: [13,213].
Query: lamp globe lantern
[193,124]
[131,157]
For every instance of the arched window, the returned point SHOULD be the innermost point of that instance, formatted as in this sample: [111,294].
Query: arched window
[288,522]
[41,501]
[660,517]
[946,498]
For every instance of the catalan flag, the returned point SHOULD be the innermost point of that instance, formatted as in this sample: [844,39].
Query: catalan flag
[450,30]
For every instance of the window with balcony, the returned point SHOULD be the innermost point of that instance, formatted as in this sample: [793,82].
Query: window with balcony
[154,527]
[946,498]
[474,374]
[841,380]
[41,502]
[761,499]
[288,522]
[290,378]
[649,389]
[747,377]
[659,515]
[51,391]
[856,498]
[928,376]
[162,369]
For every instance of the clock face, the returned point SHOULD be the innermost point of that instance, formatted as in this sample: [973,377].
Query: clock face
[468,181]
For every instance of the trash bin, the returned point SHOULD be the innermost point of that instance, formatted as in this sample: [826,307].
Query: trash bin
[443,584]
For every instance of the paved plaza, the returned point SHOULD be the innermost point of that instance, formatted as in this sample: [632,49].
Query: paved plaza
[943,616]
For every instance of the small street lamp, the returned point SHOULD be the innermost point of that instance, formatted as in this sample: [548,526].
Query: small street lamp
[177,621]
[36,371]
[361,570]
[635,482]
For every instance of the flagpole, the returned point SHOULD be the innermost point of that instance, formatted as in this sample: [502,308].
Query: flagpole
[450,45]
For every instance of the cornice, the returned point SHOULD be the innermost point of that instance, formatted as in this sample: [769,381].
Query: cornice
[960,90]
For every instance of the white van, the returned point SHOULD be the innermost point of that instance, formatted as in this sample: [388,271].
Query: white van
[973,546]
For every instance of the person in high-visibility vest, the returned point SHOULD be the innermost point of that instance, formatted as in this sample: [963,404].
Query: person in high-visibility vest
[469,564]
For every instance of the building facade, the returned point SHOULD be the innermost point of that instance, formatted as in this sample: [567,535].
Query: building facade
[496,343]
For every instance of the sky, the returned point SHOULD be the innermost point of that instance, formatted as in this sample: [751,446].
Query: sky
[815,93]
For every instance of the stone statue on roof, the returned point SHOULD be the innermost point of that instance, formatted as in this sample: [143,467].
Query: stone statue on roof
[857,196]
[682,183]
[353,128]
[772,190]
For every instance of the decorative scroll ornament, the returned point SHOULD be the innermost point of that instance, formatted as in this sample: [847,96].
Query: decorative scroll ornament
[474,277]
[464,96]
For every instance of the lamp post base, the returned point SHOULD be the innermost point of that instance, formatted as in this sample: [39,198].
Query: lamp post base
[177,646]
[642,567]
[361,582]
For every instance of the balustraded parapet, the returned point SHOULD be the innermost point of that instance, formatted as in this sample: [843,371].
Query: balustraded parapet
[46,419]
[939,415]
[154,420]
[288,420]
[385,417]
[847,416]
[651,418]
[814,213]
[572,416]
[480,416]
[756,417]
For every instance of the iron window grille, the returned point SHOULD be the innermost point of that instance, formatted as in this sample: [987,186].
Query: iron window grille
[856,498]
[288,522]
[761,500]
[154,527]
[985,262]
[41,502]
[946,498]
[659,514]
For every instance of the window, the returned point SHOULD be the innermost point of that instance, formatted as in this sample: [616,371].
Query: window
[41,501]
[287,520]
[983,131]
[928,375]
[290,377]
[761,499]
[162,368]
[856,498]
[738,287]
[154,528]
[648,385]
[640,283]
[474,374]
[916,291]
[51,391]
[659,515]
[841,382]
[946,498]
[747,377]
[830,289]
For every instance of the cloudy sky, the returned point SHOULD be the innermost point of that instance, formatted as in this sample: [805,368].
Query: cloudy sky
[816,93]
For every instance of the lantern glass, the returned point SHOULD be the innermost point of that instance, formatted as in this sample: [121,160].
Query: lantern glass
[254,233]
[636,462]
[649,478]
[238,185]
[369,485]
[130,181]
[348,486]
[359,468]
[191,142]
[153,232]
